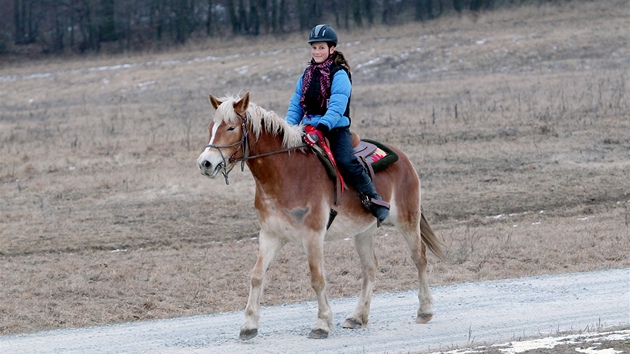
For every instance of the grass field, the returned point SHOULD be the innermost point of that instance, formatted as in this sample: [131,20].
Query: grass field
[518,123]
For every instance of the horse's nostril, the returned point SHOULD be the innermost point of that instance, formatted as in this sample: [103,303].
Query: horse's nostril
[206,164]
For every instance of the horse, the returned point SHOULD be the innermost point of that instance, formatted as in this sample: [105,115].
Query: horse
[294,199]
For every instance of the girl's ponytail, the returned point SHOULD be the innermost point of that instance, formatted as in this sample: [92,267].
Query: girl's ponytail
[340,60]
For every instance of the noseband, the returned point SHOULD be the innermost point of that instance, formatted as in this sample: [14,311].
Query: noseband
[245,146]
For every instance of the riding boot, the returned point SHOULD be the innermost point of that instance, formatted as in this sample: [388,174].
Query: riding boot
[372,201]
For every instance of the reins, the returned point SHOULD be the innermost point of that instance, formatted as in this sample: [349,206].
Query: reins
[245,146]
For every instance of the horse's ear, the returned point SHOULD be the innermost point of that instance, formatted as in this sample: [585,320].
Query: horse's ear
[214,101]
[241,106]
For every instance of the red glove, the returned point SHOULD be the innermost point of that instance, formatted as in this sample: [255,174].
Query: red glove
[312,136]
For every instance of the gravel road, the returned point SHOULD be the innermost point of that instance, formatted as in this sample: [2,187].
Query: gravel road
[479,313]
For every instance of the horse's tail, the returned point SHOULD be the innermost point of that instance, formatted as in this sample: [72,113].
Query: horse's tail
[428,237]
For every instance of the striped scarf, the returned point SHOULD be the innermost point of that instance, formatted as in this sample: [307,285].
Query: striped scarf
[324,82]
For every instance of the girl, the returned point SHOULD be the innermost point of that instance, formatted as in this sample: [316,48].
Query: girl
[322,101]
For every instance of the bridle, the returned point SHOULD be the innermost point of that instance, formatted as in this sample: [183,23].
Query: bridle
[245,147]
[244,144]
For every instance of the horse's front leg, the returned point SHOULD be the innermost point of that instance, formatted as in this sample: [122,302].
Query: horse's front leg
[268,248]
[365,248]
[314,246]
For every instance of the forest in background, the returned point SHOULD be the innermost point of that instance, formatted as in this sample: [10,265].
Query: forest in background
[90,26]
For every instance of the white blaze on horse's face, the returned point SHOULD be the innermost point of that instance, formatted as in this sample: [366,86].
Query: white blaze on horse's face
[222,145]
[210,160]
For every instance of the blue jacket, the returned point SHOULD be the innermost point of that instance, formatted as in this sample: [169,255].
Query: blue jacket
[340,92]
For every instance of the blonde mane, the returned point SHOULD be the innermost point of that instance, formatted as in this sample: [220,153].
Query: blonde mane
[260,120]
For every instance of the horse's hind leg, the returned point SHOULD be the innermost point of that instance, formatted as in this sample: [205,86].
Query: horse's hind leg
[418,250]
[365,248]
[268,248]
[425,312]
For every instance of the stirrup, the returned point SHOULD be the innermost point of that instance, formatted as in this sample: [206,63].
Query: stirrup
[373,205]
[368,202]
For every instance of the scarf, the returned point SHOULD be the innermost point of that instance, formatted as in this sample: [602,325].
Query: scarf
[323,69]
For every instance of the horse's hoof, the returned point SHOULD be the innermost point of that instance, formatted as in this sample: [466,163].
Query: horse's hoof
[248,333]
[424,317]
[351,323]
[318,334]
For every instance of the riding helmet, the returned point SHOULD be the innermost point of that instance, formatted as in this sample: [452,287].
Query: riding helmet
[322,33]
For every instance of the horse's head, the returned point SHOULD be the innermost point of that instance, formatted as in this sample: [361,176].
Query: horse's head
[228,137]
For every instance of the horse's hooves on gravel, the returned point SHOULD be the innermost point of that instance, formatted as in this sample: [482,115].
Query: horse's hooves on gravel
[351,323]
[248,333]
[318,334]
[424,317]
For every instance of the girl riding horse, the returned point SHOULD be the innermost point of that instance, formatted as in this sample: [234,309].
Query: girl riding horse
[321,102]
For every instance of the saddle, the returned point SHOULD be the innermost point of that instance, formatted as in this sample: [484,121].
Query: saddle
[373,155]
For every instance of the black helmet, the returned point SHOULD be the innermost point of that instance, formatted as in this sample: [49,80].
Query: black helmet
[322,33]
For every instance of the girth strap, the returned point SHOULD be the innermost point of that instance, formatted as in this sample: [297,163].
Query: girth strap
[331,169]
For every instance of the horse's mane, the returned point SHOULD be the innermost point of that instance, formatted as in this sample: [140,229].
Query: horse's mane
[260,120]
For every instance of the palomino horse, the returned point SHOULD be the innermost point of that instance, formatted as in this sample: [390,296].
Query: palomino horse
[294,199]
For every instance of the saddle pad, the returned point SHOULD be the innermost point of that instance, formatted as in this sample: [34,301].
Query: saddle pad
[376,154]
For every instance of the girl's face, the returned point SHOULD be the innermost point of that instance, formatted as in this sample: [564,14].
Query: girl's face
[320,51]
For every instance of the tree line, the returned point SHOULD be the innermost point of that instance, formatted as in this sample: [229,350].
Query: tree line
[86,25]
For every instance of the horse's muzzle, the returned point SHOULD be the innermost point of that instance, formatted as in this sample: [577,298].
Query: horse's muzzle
[207,169]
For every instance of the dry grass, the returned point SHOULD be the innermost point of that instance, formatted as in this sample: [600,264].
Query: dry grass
[518,123]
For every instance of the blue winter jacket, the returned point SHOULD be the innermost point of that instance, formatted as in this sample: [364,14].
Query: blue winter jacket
[340,92]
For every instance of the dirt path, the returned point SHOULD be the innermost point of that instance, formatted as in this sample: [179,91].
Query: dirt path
[477,313]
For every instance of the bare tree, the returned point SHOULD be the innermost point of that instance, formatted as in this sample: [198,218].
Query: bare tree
[458,5]
[106,21]
[183,21]
[24,19]
[356,13]
[368,6]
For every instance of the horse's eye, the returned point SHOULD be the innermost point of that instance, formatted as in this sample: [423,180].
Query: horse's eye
[231,128]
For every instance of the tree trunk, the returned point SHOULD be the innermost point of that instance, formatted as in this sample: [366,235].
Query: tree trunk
[386,12]
[274,20]
[369,11]
[59,30]
[254,18]
[458,5]
[182,21]
[88,26]
[106,21]
[303,14]
[283,15]
[231,8]
[25,28]
[356,12]
[209,19]
[242,17]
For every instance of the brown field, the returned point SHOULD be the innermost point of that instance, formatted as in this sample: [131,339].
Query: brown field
[518,123]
